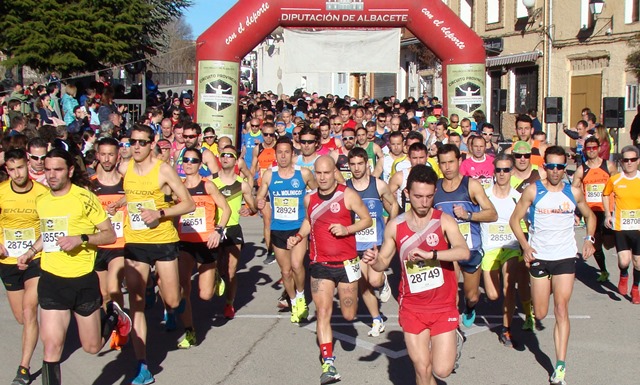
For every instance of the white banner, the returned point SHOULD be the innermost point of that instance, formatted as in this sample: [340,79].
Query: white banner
[341,51]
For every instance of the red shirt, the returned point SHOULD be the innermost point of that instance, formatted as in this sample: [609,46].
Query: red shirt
[431,286]
[326,148]
[325,247]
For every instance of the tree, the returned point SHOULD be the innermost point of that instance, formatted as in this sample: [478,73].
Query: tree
[633,60]
[177,52]
[81,35]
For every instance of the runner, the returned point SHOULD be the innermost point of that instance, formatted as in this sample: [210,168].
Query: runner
[524,131]
[329,142]
[551,250]
[199,233]
[72,224]
[624,219]
[37,150]
[464,199]
[428,241]
[264,157]
[107,185]
[502,253]
[398,182]
[20,229]
[341,154]
[309,143]
[150,236]
[285,184]
[374,152]
[591,177]
[332,252]
[191,135]
[376,196]
[524,172]
[234,189]
[391,152]
[478,166]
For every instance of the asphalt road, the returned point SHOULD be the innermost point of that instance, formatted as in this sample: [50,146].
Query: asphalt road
[261,346]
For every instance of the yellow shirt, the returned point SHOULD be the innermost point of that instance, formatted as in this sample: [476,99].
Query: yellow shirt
[19,220]
[143,191]
[75,213]
[626,211]
[213,148]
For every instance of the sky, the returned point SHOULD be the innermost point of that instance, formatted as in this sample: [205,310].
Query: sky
[203,13]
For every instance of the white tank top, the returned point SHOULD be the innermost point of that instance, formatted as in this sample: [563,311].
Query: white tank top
[498,234]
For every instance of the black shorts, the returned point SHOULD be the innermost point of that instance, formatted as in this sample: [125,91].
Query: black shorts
[628,240]
[546,269]
[333,272]
[80,295]
[233,236]
[14,278]
[105,256]
[199,251]
[279,238]
[150,253]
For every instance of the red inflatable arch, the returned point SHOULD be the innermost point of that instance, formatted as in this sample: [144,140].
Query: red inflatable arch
[221,47]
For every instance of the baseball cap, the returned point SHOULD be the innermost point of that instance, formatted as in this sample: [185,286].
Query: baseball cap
[521,147]
[432,119]
[163,143]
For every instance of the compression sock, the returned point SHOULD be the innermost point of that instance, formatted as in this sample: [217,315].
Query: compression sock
[528,309]
[326,351]
[108,321]
[51,373]
[561,363]
[624,272]
[636,277]
[599,256]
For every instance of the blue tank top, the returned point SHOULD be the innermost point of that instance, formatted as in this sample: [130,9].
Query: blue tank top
[371,236]
[308,165]
[444,201]
[203,171]
[287,200]
[249,142]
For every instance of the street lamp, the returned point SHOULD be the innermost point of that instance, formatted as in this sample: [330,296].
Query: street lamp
[529,3]
[595,6]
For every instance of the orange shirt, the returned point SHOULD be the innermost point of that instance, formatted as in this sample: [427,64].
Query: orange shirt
[626,196]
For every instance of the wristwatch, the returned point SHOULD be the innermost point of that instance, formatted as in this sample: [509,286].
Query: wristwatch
[590,238]
[161,213]
[435,255]
[469,216]
[219,230]
[85,238]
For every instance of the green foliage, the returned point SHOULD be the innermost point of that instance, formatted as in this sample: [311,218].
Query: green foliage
[633,60]
[82,35]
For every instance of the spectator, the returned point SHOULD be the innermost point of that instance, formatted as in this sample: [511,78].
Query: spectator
[69,102]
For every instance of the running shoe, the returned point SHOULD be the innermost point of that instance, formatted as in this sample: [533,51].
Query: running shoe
[635,295]
[144,376]
[329,374]
[376,328]
[169,321]
[302,309]
[603,277]
[283,301]
[220,285]
[385,291]
[505,338]
[529,324]
[460,340]
[188,339]
[271,258]
[557,378]
[229,311]
[623,285]
[124,322]
[294,312]
[23,377]
[117,341]
[468,318]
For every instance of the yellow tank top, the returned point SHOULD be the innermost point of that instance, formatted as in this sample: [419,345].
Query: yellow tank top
[143,191]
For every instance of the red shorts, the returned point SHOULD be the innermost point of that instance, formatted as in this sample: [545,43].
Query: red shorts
[438,323]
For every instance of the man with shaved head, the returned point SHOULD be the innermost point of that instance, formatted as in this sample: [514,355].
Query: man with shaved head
[334,262]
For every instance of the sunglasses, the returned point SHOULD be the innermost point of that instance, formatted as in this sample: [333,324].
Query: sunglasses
[191,160]
[553,166]
[41,157]
[589,148]
[209,137]
[454,121]
[296,133]
[505,170]
[189,136]
[486,133]
[126,145]
[382,120]
[255,125]
[141,142]
[348,137]
[629,160]
[228,155]
[178,114]
[336,124]
[307,141]
[519,156]
[269,134]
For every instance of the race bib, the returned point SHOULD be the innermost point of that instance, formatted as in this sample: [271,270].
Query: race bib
[371,165]
[630,220]
[486,182]
[51,229]
[368,235]
[346,175]
[500,235]
[594,193]
[285,209]
[423,275]
[194,222]
[352,268]
[133,208]
[117,222]
[18,241]
[465,229]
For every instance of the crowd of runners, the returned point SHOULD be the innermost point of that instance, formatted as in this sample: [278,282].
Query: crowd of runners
[343,187]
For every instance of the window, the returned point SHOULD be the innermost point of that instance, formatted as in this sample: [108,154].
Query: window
[585,15]
[493,11]
[521,10]
[632,97]
[466,12]
[631,13]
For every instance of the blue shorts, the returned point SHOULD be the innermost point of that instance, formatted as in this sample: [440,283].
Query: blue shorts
[473,263]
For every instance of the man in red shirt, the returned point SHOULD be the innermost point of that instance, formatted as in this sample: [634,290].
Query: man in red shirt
[333,256]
